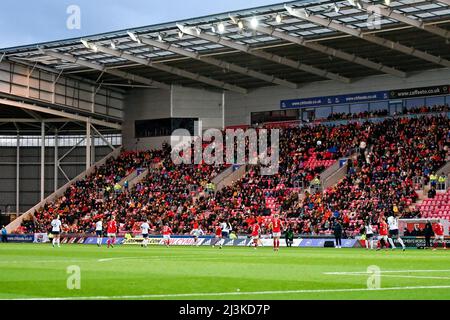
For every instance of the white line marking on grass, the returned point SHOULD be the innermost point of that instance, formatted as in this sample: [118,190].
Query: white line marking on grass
[240,293]
[384,271]
[161,258]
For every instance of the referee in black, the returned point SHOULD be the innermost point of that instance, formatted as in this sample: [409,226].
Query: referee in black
[337,228]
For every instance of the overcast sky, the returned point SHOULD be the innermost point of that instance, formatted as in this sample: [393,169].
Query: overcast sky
[31,21]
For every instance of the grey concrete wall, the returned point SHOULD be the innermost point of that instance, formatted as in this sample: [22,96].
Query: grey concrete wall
[144,104]
[238,107]
[180,102]
[196,103]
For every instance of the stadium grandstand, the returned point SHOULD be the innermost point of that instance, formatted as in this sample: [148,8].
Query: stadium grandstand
[359,91]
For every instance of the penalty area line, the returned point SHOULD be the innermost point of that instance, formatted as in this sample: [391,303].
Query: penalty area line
[239,293]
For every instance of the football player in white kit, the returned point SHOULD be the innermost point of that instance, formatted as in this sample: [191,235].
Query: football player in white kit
[145,227]
[56,231]
[369,235]
[197,233]
[99,232]
[393,232]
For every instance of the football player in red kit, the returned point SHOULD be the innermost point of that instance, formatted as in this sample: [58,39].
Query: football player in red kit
[111,232]
[255,234]
[218,237]
[439,235]
[167,231]
[383,235]
[275,225]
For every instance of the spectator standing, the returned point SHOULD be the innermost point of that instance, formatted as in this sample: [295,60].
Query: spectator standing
[442,181]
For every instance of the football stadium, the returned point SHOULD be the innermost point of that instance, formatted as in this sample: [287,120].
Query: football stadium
[291,151]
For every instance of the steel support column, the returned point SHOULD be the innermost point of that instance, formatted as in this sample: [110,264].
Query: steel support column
[88,143]
[42,161]
[18,174]
[56,164]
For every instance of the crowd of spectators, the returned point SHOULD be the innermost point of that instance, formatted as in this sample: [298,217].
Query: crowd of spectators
[379,181]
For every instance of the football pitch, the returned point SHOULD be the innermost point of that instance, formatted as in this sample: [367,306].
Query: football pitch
[30,271]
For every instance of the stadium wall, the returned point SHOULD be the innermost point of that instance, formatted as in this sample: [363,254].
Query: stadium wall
[179,102]
[238,107]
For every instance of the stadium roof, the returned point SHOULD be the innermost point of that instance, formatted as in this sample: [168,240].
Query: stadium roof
[284,44]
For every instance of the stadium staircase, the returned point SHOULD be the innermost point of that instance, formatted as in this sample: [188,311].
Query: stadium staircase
[229,176]
[58,193]
[335,172]
[439,206]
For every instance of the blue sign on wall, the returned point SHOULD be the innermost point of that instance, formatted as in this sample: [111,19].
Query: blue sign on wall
[332,100]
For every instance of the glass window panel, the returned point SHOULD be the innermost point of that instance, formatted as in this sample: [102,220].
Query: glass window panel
[414,103]
[341,109]
[323,113]
[358,108]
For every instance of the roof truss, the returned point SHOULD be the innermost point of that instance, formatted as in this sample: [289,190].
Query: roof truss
[263,54]
[168,69]
[328,23]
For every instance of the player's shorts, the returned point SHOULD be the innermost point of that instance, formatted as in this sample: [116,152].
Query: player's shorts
[385,238]
[166,236]
[276,234]
[393,233]
[145,235]
[224,234]
[56,233]
[111,235]
[255,237]
[98,233]
[369,235]
[441,238]
[218,236]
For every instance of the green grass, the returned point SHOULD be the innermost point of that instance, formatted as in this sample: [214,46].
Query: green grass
[39,271]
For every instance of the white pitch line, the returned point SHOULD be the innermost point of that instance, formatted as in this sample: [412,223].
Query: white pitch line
[215,294]
[384,271]
[160,258]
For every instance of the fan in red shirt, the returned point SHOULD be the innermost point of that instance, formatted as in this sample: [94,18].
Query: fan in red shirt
[218,237]
[255,234]
[111,231]
[439,235]
[383,234]
[275,225]
[167,231]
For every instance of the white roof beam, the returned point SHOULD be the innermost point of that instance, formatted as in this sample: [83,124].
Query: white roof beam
[390,13]
[330,51]
[169,69]
[328,23]
[102,68]
[264,55]
[57,113]
[447,2]
[218,63]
